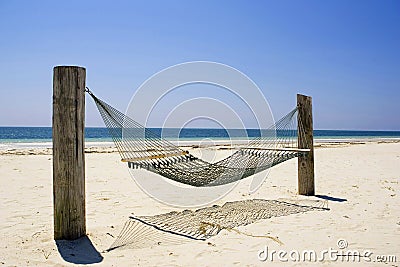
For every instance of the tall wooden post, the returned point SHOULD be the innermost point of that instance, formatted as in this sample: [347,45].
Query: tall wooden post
[305,140]
[68,152]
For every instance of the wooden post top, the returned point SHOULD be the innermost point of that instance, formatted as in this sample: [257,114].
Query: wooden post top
[62,66]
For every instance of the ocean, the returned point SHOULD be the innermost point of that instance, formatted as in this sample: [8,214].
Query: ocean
[92,134]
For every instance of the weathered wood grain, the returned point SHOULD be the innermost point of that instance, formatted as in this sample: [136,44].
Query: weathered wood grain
[68,152]
[306,185]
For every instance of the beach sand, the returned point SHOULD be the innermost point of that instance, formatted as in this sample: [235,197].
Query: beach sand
[359,183]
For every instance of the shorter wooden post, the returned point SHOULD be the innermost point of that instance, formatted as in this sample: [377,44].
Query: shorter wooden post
[68,152]
[305,135]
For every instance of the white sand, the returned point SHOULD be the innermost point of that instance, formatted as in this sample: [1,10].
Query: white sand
[365,176]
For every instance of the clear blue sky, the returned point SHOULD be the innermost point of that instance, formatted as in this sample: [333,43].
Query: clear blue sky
[346,54]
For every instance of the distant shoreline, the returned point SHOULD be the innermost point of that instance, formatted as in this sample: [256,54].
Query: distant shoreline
[43,135]
[45,148]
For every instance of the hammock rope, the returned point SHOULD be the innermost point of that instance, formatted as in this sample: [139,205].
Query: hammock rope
[140,147]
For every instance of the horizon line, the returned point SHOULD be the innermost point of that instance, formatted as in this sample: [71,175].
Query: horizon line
[207,128]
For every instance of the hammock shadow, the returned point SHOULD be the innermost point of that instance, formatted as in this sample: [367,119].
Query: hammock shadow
[138,234]
[201,224]
[79,251]
[329,198]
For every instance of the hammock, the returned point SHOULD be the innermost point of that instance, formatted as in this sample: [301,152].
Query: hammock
[141,147]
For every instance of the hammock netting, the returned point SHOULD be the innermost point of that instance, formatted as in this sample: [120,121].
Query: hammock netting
[141,147]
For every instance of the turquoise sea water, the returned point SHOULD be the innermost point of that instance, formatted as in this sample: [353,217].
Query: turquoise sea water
[43,134]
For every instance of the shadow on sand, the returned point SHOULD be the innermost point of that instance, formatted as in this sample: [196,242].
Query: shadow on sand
[201,224]
[329,198]
[79,251]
